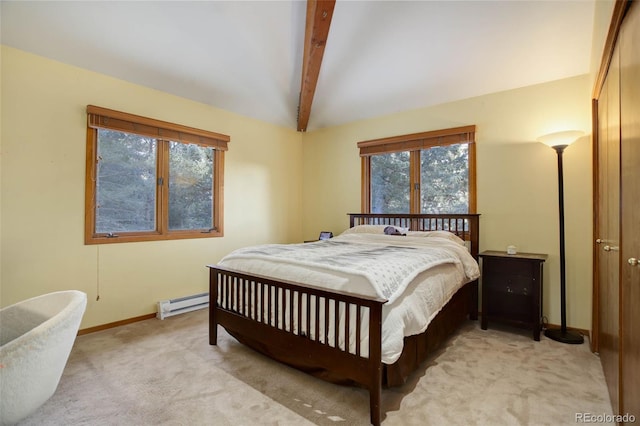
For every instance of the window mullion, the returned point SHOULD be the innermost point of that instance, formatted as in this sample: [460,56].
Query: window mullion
[217,191]
[472,178]
[414,181]
[162,185]
[90,184]
[365,170]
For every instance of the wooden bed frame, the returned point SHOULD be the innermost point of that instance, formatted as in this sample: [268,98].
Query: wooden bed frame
[253,309]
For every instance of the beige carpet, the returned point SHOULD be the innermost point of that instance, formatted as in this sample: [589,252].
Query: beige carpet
[165,373]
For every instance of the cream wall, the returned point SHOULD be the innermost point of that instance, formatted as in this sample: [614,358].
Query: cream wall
[517,177]
[42,176]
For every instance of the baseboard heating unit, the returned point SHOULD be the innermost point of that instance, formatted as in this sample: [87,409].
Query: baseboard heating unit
[169,308]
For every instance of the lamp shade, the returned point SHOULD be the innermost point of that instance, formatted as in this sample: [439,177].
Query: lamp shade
[565,138]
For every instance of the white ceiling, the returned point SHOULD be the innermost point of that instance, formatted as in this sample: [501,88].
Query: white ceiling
[381,57]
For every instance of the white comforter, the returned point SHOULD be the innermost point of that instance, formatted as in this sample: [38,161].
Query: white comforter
[417,275]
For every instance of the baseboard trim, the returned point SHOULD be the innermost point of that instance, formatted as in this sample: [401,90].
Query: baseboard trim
[89,330]
[586,333]
[115,324]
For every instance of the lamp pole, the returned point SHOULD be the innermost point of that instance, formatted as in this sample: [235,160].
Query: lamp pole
[562,335]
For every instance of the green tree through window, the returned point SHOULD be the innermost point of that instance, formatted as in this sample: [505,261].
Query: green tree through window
[390,188]
[126,183]
[444,179]
[190,186]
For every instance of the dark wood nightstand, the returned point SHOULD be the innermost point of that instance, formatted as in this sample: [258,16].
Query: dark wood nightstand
[512,289]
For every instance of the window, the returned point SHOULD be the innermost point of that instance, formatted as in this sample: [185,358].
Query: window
[431,172]
[151,180]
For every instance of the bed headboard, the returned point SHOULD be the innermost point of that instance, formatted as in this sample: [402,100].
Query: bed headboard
[465,226]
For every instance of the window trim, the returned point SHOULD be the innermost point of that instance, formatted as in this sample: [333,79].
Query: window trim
[413,143]
[163,132]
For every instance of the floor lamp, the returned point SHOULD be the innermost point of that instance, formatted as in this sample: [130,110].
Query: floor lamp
[559,141]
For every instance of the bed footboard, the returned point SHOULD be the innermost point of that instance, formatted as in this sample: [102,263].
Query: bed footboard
[319,328]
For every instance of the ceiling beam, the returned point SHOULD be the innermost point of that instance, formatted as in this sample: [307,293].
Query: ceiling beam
[319,13]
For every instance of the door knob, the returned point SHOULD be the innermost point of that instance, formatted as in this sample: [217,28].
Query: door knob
[633,261]
[606,248]
[610,248]
[599,240]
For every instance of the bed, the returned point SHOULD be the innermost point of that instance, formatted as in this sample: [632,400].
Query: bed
[338,319]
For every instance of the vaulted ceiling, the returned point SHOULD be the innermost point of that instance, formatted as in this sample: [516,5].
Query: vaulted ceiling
[380,57]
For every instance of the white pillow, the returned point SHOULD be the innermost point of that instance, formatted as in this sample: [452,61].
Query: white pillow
[442,234]
[374,229]
[379,229]
[366,229]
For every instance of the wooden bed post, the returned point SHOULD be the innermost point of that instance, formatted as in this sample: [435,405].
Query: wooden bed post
[473,309]
[375,360]
[213,313]
[474,235]
[474,228]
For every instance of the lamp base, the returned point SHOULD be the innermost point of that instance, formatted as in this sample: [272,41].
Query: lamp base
[566,337]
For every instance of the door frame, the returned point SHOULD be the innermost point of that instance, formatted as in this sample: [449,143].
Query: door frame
[619,10]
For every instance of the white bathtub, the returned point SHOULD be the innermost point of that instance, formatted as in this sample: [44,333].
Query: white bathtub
[36,337]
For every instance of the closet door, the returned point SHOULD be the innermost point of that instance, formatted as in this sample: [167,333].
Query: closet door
[608,224]
[629,42]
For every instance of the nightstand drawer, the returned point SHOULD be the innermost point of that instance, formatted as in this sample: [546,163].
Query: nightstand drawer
[516,284]
[509,266]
